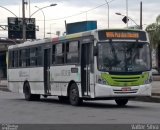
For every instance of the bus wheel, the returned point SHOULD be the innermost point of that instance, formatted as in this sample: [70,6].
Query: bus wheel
[121,102]
[27,93]
[74,98]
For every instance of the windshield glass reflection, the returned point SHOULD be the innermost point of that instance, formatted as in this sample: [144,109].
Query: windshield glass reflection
[123,57]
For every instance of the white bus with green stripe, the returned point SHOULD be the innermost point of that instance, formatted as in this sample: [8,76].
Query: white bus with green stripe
[95,65]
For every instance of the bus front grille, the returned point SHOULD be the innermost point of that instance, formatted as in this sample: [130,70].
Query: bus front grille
[125,79]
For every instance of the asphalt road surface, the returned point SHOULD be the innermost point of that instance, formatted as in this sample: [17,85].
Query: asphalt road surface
[14,109]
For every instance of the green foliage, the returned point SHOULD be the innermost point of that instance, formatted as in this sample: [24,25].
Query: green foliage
[158,19]
[154,32]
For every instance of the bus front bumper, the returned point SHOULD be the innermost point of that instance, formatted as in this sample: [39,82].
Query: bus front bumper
[115,91]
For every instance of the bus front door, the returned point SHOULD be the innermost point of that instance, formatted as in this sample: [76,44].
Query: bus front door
[47,88]
[85,68]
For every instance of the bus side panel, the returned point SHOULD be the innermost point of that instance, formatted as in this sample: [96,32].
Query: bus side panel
[36,80]
[15,86]
[60,77]
[34,76]
[16,79]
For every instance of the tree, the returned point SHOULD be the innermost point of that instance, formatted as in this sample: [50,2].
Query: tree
[154,32]
[158,19]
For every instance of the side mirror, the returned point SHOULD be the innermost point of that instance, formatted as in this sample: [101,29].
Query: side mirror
[95,52]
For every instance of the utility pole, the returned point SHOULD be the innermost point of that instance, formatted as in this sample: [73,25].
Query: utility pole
[29,7]
[108,14]
[65,22]
[24,21]
[108,10]
[141,26]
[127,11]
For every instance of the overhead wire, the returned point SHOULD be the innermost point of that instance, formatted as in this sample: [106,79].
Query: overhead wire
[77,13]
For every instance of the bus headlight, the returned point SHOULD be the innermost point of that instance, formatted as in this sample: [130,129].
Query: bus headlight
[149,79]
[101,81]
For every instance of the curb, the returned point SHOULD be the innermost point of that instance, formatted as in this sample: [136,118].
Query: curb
[156,94]
[154,99]
[156,77]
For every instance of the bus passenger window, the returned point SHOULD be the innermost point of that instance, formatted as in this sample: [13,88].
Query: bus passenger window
[72,52]
[16,59]
[27,57]
[23,57]
[53,54]
[10,59]
[60,54]
[38,56]
[33,56]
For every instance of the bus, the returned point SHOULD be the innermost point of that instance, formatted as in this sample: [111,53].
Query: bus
[93,65]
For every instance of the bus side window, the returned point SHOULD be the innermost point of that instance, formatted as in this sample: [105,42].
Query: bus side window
[60,53]
[39,56]
[33,56]
[53,53]
[72,52]
[15,58]
[23,57]
[27,57]
[11,59]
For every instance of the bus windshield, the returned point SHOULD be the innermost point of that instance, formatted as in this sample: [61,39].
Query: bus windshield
[123,57]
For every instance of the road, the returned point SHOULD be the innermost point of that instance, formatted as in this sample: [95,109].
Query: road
[14,109]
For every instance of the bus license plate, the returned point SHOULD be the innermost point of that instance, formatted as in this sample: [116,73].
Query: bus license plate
[126,89]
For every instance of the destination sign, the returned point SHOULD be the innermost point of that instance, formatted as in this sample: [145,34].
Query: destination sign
[122,34]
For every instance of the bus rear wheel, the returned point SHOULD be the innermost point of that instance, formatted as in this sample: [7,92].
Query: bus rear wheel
[74,98]
[121,102]
[27,93]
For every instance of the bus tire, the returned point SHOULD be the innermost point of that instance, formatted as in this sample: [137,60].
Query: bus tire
[121,102]
[74,98]
[27,93]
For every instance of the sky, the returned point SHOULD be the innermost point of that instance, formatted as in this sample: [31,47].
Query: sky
[80,10]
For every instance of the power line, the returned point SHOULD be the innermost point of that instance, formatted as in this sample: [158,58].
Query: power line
[77,13]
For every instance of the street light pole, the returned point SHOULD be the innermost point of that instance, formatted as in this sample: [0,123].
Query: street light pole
[127,11]
[50,29]
[44,19]
[43,13]
[41,9]
[108,11]
[8,10]
[24,24]
[127,18]
[141,26]
[107,2]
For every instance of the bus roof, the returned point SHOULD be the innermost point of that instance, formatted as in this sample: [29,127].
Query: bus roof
[61,38]
[29,43]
